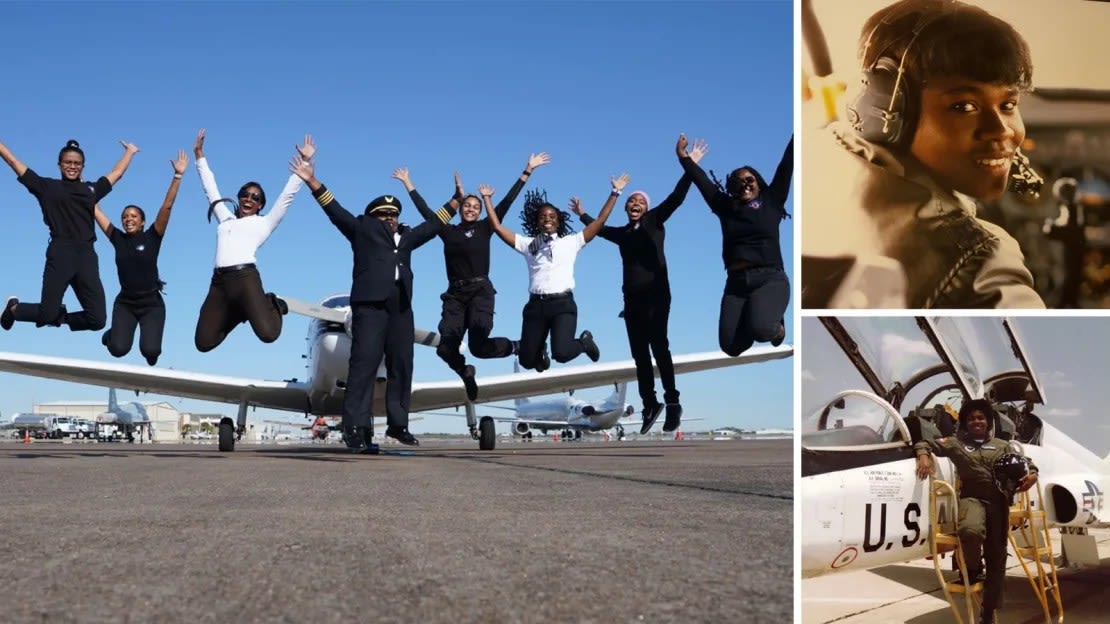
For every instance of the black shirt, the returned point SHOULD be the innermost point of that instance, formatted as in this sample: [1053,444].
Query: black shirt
[466,245]
[137,259]
[67,206]
[750,230]
[641,243]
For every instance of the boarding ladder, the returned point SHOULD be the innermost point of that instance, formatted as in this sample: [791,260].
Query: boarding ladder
[1030,540]
[945,539]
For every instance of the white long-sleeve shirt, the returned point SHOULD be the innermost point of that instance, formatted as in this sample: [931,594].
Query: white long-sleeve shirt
[238,240]
[551,269]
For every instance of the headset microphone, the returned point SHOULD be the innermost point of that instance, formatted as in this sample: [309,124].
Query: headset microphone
[1023,179]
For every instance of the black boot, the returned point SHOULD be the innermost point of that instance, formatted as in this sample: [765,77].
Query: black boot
[674,417]
[467,374]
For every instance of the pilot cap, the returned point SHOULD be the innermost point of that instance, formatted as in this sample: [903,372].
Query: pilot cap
[384,202]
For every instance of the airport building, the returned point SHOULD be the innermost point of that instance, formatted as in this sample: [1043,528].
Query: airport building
[165,420]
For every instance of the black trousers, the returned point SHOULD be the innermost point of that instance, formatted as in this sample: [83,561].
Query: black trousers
[145,310]
[645,318]
[235,297]
[557,314]
[752,306]
[468,309]
[68,264]
[380,329]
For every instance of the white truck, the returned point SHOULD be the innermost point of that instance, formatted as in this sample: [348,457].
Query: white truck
[58,427]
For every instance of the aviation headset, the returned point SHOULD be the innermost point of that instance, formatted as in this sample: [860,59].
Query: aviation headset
[882,113]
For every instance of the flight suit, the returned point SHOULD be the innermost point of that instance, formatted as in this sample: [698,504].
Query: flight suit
[984,509]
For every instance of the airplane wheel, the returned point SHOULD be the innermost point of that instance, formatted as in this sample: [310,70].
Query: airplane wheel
[227,435]
[487,434]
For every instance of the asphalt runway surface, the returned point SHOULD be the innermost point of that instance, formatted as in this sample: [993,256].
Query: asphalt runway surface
[661,531]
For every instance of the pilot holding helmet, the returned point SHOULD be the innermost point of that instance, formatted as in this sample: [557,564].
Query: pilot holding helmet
[991,471]
[381,306]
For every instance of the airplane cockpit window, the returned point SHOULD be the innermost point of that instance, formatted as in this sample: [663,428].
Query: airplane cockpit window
[338,301]
[894,347]
[952,333]
[852,419]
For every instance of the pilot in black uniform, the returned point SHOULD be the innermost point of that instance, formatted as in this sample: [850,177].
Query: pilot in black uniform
[381,307]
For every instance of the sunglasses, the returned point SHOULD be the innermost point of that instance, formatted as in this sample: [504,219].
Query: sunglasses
[250,194]
[386,214]
[747,180]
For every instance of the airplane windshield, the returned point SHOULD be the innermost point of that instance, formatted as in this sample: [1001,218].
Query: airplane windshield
[894,347]
[990,347]
[338,301]
[954,333]
[853,418]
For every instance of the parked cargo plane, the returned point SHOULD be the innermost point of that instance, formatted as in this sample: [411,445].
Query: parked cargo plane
[862,505]
[322,394]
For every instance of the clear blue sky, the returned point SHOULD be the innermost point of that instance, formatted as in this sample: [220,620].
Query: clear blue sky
[432,86]
[1072,373]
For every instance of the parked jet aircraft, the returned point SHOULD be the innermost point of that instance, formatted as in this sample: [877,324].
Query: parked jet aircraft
[329,351]
[862,505]
[128,417]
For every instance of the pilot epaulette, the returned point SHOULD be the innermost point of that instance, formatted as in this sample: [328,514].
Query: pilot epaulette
[325,197]
[444,215]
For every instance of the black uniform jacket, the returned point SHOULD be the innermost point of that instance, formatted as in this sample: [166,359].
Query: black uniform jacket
[379,260]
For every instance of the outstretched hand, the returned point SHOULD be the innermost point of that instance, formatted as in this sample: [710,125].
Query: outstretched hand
[303,169]
[307,150]
[402,174]
[198,147]
[485,190]
[680,147]
[130,148]
[575,206]
[536,160]
[459,192]
[619,182]
[181,162]
[699,150]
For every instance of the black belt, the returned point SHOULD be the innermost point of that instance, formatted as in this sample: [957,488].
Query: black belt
[139,293]
[233,268]
[558,295]
[464,282]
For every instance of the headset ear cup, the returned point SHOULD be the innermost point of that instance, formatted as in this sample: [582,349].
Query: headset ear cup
[878,113]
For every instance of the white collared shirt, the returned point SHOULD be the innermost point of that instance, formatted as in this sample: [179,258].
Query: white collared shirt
[551,269]
[237,240]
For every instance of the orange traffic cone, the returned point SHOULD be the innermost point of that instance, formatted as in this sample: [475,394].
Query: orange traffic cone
[26,436]
[554,437]
[678,435]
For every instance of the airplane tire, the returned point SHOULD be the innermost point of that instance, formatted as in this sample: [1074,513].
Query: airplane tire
[487,434]
[227,435]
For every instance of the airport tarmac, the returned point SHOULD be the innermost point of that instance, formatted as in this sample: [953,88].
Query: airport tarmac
[691,531]
[910,593]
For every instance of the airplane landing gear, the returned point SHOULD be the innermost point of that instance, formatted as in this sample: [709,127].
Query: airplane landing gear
[620,432]
[227,435]
[483,431]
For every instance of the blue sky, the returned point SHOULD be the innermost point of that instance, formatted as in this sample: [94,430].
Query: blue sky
[1072,374]
[433,86]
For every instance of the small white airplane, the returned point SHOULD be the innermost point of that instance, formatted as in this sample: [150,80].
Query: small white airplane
[862,504]
[328,354]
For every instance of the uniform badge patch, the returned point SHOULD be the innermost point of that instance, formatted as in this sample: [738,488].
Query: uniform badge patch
[755,204]
[469,233]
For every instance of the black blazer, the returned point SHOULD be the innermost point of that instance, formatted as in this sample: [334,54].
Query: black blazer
[377,257]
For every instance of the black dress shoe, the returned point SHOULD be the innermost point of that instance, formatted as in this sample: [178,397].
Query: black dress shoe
[674,417]
[280,304]
[358,439]
[467,375]
[589,346]
[779,337]
[402,435]
[651,414]
[7,317]
[545,361]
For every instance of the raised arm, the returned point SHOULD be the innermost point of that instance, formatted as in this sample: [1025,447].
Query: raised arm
[535,160]
[285,199]
[667,207]
[208,182]
[18,167]
[129,151]
[592,229]
[503,232]
[706,187]
[339,216]
[102,220]
[163,218]
[402,174]
[780,184]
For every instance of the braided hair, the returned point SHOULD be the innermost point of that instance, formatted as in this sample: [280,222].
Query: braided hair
[534,201]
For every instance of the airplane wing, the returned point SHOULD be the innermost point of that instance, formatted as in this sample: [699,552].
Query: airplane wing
[282,395]
[436,395]
[293,396]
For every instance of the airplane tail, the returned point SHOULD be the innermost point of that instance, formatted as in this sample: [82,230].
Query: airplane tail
[619,394]
[112,405]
